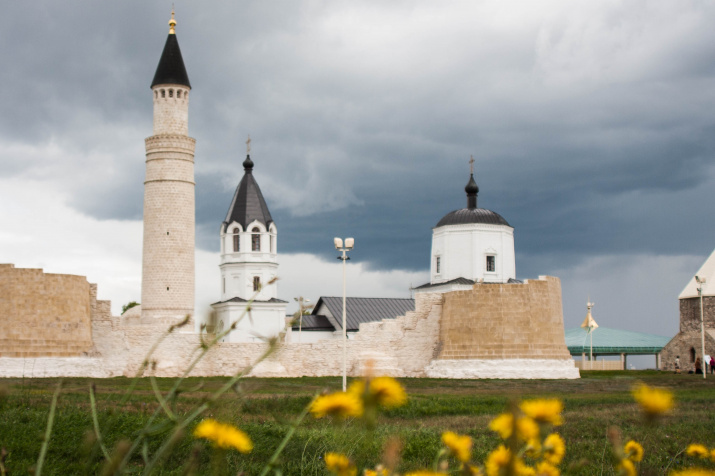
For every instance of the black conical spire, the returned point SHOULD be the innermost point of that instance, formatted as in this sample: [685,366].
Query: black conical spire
[171,69]
[472,189]
[248,203]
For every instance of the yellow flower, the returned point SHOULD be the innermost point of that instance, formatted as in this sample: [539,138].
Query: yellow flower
[340,404]
[223,435]
[385,391]
[543,410]
[554,448]
[520,469]
[376,472]
[497,459]
[424,472]
[633,451]
[339,464]
[459,445]
[697,450]
[388,392]
[693,472]
[474,470]
[712,455]
[626,468]
[544,468]
[653,401]
[526,428]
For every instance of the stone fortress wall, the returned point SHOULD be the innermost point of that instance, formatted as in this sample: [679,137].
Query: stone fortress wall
[401,347]
[688,342]
[44,314]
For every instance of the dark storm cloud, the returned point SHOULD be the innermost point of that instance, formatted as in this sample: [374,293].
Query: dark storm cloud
[593,133]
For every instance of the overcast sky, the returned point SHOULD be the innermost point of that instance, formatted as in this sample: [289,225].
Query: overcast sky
[591,124]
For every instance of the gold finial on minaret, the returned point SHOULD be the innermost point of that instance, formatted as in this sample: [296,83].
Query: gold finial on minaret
[172,22]
[248,145]
[471,164]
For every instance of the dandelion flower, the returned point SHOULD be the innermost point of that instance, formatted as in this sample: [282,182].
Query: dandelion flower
[521,469]
[459,445]
[223,435]
[633,451]
[376,472]
[697,450]
[388,392]
[693,472]
[554,448]
[626,468]
[339,464]
[545,410]
[544,468]
[340,404]
[526,428]
[653,401]
[497,460]
[424,472]
[474,470]
[712,455]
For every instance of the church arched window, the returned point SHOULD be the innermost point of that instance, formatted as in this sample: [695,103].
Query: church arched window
[256,283]
[236,241]
[256,239]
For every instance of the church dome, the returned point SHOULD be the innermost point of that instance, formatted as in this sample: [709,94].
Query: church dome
[472,215]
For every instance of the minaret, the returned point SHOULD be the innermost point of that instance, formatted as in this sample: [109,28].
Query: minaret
[249,264]
[168,254]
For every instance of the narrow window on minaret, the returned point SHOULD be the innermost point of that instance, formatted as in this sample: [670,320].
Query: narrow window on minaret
[236,241]
[256,283]
[256,239]
[171,93]
[437,265]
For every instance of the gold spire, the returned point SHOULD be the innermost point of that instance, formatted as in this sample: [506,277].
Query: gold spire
[471,164]
[172,22]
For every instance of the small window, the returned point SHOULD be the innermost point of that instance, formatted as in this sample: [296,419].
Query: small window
[156,94]
[692,354]
[273,244]
[171,93]
[178,93]
[256,239]
[236,241]
[256,283]
[163,93]
[437,265]
[224,285]
[491,264]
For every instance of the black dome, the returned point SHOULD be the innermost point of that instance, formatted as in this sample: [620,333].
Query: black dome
[472,215]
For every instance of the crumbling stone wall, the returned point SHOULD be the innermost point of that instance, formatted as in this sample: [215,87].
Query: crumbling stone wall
[504,321]
[43,315]
[690,313]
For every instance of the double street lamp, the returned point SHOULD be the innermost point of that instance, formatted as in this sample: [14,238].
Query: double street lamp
[703,366]
[349,243]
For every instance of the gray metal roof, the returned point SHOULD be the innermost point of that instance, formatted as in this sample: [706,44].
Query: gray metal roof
[613,341]
[472,215]
[464,281]
[359,310]
[238,299]
[314,323]
[248,203]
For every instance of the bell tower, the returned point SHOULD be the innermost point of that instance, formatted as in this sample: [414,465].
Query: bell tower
[169,208]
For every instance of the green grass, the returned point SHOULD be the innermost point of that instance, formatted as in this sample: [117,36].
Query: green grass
[264,409]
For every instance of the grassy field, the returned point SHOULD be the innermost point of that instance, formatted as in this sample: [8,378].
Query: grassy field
[264,409]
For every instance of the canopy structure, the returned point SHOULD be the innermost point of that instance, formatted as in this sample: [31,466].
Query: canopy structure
[613,342]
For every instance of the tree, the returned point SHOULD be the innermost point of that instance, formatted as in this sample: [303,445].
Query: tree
[128,306]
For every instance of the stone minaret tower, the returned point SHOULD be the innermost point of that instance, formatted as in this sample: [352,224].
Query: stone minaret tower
[168,255]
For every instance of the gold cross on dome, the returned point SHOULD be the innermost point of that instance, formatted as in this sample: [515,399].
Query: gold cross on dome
[471,164]
[248,145]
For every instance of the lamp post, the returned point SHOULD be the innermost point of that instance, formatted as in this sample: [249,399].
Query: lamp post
[700,282]
[349,243]
[301,301]
[590,324]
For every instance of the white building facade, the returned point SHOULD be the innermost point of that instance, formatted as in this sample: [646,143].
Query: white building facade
[249,266]
[471,245]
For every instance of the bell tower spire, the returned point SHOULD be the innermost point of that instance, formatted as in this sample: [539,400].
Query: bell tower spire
[472,189]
